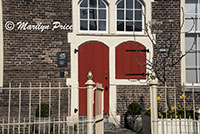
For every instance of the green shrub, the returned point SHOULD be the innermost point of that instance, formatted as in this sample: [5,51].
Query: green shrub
[44,110]
[134,109]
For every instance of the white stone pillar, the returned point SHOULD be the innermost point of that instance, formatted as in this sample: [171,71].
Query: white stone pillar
[154,107]
[90,101]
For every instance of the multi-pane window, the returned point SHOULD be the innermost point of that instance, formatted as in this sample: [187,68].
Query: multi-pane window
[129,15]
[192,42]
[93,15]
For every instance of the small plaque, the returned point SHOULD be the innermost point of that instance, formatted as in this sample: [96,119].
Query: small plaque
[62,59]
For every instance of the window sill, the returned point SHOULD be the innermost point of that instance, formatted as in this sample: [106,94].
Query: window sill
[129,33]
[111,34]
[190,87]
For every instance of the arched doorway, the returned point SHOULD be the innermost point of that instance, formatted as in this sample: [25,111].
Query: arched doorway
[93,56]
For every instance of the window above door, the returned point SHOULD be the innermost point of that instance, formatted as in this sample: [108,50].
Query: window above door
[126,16]
[129,16]
[93,16]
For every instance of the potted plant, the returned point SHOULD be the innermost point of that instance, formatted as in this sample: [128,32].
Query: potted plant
[133,118]
[43,118]
[44,111]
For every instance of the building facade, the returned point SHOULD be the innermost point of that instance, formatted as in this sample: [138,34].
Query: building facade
[120,41]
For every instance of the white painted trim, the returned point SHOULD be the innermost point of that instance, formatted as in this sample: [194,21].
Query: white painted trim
[182,41]
[1,44]
[113,100]
[68,81]
[74,83]
[111,40]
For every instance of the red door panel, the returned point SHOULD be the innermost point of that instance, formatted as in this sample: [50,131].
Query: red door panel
[94,57]
[130,62]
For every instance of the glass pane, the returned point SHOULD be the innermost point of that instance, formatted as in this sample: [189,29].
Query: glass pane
[198,24]
[102,14]
[191,60]
[129,4]
[101,4]
[102,25]
[83,13]
[84,25]
[138,5]
[191,7]
[199,77]
[129,26]
[129,14]
[198,57]
[190,24]
[138,15]
[189,41]
[191,76]
[120,14]
[120,26]
[138,26]
[84,3]
[93,3]
[120,4]
[93,25]
[93,14]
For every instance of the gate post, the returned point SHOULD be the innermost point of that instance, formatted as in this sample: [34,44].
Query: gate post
[90,101]
[154,106]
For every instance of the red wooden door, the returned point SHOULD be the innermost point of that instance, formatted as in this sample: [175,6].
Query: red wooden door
[94,57]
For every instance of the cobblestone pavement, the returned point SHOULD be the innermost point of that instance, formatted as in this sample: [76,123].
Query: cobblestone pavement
[119,131]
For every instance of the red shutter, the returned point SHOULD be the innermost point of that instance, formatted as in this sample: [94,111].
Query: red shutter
[130,62]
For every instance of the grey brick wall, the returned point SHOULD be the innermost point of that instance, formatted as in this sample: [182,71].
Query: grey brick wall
[31,55]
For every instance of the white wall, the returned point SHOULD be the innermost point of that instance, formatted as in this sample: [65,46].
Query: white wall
[111,39]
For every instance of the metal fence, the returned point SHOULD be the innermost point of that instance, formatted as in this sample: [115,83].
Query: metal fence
[26,109]
[175,110]
[182,116]
[46,110]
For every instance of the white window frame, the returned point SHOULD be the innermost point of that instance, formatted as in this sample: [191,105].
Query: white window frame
[196,33]
[130,32]
[197,58]
[93,31]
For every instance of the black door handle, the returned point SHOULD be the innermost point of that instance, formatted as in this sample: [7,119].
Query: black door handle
[106,88]
[106,77]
